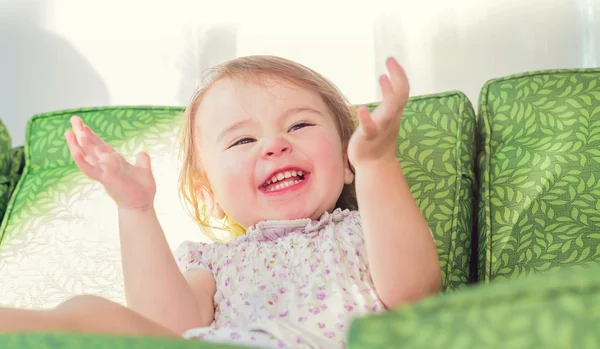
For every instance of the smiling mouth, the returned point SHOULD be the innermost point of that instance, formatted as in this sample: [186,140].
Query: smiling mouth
[283,180]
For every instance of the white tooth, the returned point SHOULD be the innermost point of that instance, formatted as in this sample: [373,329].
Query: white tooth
[294,173]
[273,179]
[300,173]
[287,174]
[268,182]
[280,176]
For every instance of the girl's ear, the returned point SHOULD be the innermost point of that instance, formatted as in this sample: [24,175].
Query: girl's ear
[212,206]
[348,171]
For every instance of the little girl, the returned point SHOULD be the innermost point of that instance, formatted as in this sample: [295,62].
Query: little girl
[269,146]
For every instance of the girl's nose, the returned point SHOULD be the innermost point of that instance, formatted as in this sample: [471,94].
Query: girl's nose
[275,147]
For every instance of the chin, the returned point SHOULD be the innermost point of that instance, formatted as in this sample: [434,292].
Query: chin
[290,213]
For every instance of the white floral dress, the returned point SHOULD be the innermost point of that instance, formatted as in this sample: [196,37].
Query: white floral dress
[287,284]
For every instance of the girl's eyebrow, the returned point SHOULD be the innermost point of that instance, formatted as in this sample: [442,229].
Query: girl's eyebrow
[284,115]
[296,110]
[234,127]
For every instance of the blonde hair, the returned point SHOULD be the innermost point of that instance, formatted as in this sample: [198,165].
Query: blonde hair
[192,178]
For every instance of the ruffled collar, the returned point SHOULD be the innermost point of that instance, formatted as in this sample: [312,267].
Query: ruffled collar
[275,229]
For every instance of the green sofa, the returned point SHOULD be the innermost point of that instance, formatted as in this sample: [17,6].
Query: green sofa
[512,195]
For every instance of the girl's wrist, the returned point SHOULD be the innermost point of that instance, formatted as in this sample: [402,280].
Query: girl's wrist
[137,210]
[378,163]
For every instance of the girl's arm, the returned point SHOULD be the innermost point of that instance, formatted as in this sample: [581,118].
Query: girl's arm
[154,286]
[402,254]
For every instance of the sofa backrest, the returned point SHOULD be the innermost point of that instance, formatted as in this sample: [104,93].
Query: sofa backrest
[539,172]
[436,150]
[60,236]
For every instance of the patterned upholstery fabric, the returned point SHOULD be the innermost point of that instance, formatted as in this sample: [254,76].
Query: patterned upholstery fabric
[61,239]
[539,204]
[436,150]
[5,149]
[560,309]
[93,341]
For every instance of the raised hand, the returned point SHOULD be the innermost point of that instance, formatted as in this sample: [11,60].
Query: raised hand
[130,186]
[375,137]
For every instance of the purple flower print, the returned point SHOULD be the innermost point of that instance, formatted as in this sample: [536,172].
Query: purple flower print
[228,304]
[302,319]
[298,340]
[349,307]
[327,271]
[340,326]
[262,287]
[280,344]
[314,311]
[321,325]
[227,281]
[329,334]
[324,306]
[283,314]
[247,304]
[321,296]
[282,290]
[235,335]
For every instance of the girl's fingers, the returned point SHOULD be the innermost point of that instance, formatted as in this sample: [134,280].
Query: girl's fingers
[389,99]
[143,160]
[366,122]
[399,81]
[79,156]
[101,146]
[77,126]
[83,139]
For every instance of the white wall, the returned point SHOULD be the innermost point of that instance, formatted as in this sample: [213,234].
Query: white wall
[58,54]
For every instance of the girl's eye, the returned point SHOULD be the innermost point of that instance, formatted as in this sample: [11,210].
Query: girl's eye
[243,141]
[300,125]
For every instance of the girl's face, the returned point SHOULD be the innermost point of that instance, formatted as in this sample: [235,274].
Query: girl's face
[270,151]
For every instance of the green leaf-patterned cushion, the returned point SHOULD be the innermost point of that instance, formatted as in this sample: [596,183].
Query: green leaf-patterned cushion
[98,341]
[60,236]
[17,162]
[436,150]
[560,309]
[539,204]
[5,149]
